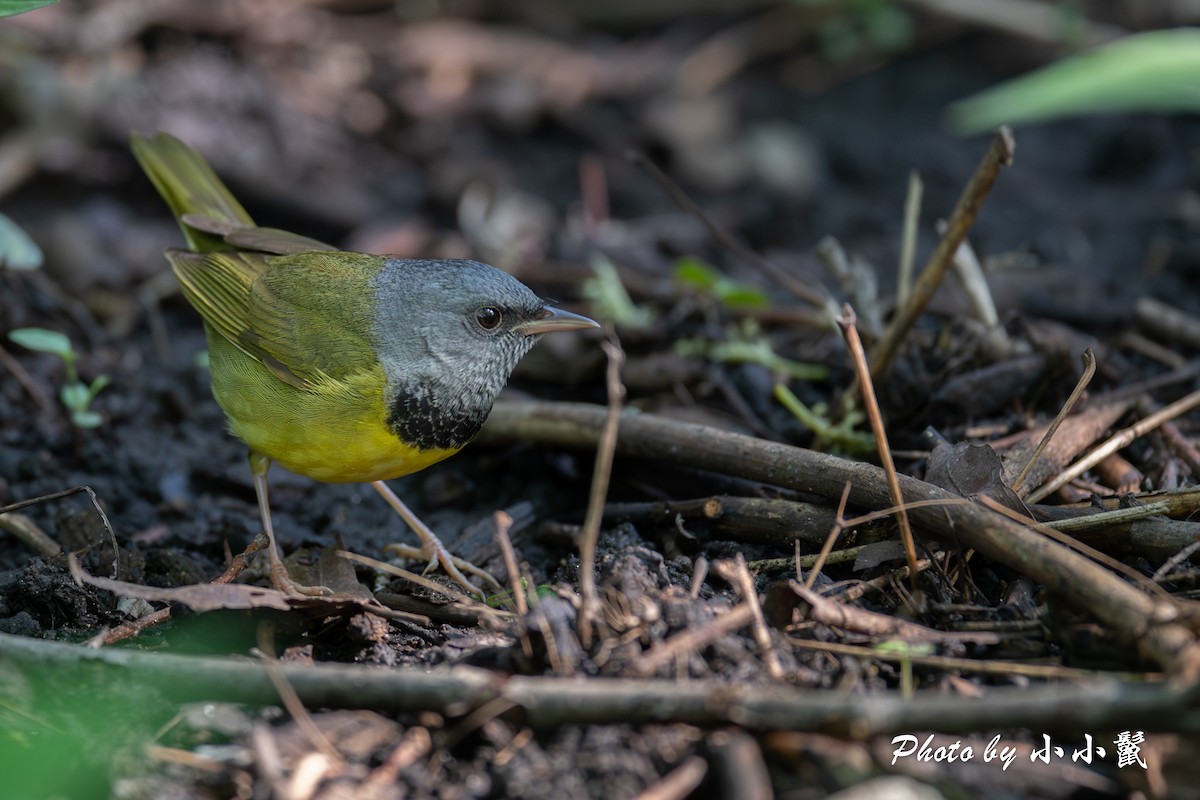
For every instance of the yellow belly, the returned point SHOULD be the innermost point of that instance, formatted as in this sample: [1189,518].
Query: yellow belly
[335,432]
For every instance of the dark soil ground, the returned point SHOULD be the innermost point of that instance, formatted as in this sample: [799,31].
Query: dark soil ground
[506,140]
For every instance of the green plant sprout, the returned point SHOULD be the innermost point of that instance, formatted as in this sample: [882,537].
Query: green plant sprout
[609,298]
[841,437]
[17,250]
[75,395]
[747,345]
[695,273]
[905,651]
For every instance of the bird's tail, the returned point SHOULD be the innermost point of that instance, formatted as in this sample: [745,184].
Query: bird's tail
[205,208]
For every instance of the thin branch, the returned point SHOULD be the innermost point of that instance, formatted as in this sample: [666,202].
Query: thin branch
[590,600]
[1089,371]
[998,155]
[871,403]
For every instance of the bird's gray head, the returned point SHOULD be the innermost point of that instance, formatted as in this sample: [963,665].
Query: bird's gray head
[449,334]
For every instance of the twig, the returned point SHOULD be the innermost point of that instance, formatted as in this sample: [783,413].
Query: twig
[867,387]
[679,783]
[1118,440]
[1088,587]
[834,532]
[503,522]
[908,237]
[861,588]
[694,638]
[112,535]
[589,600]
[295,706]
[737,574]
[872,623]
[998,155]
[974,282]
[980,666]
[1089,371]
[33,537]
[550,702]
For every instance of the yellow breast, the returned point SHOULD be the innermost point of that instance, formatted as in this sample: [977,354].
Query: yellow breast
[333,431]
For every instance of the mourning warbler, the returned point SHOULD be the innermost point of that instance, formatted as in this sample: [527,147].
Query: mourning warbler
[341,366]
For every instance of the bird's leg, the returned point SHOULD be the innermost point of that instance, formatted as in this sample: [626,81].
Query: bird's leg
[259,465]
[431,546]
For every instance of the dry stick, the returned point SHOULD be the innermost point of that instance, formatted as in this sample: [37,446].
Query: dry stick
[863,375]
[835,614]
[983,667]
[27,532]
[860,589]
[1118,440]
[834,532]
[737,574]
[589,600]
[1089,587]
[415,744]
[295,706]
[679,783]
[1089,371]
[721,237]
[694,638]
[1170,433]
[503,522]
[550,702]
[1067,541]
[908,238]
[998,155]
[45,498]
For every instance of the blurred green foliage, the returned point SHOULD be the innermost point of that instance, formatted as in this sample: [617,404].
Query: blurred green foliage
[1153,71]
[9,8]
[17,250]
[75,394]
[695,273]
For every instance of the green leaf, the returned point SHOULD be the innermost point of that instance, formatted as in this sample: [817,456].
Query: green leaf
[9,8]
[86,419]
[97,386]
[610,300]
[1154,71]
[707,278]
[75,396]
[42,340]
[17,250]
[694,272]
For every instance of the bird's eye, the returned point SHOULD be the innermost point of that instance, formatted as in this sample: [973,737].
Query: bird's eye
[488,317]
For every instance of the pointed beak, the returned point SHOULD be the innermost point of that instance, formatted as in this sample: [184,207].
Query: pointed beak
[551,319]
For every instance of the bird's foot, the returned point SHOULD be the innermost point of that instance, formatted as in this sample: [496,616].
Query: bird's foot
[437,555]
[291,589]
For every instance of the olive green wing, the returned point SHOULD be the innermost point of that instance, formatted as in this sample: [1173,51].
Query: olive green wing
[307,317]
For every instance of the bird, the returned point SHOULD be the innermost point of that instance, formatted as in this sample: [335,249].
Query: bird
[341,366]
